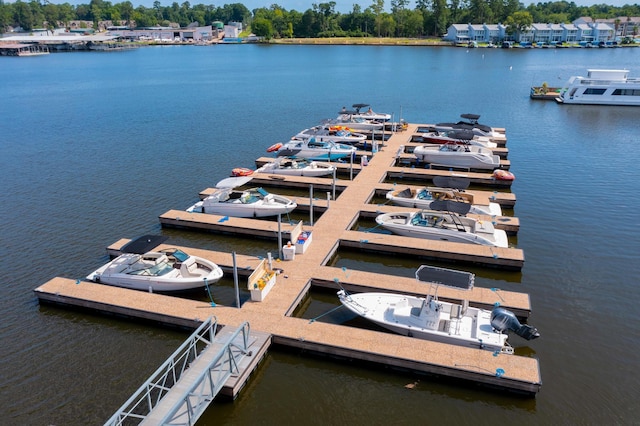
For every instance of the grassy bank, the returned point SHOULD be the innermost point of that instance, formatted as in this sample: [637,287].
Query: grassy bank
[383,41]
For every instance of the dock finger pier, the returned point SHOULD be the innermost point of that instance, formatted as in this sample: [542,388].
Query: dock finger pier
[229,341]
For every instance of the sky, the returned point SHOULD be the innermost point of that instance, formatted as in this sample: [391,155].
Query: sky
[302,5]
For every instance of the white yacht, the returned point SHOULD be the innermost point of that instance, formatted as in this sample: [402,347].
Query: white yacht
[601,87]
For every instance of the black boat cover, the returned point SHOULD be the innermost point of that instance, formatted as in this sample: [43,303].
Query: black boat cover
[447,277]
[451,182]
[144,244]
[450,206]
[405,193]
[461,134]
[471,117]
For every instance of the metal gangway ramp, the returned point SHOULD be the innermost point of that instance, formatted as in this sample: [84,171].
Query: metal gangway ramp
[180,390]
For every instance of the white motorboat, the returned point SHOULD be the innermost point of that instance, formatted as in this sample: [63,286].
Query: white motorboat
[314,150]
[356,121]
[451,155]
[369,114]
[444,225]
[431,319]
[159,271]
[253,202]
[601,87]
[326,132]
[422,198]
[457,137]
[470,122]
[297,167]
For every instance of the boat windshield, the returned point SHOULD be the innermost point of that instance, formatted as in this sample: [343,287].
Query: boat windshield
[158,269]
[180,255]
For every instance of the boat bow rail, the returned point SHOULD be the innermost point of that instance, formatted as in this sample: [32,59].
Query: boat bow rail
[202,365]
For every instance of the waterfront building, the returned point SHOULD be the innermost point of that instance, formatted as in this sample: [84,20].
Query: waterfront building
[583,31]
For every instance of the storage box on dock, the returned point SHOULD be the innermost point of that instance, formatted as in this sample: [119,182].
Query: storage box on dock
[301,239]
[289,252]
[261,281]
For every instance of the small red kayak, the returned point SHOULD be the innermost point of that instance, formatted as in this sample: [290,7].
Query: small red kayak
[241,171]
[274,147]
[500,174]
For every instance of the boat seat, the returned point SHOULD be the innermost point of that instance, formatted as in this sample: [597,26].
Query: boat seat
[419,221]
[162,259]
[189,268]
[456,311]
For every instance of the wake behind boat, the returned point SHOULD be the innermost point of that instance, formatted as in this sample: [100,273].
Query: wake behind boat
[444,226]
[431,319]
[159,271]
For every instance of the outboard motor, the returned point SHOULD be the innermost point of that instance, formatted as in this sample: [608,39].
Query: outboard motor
[502,320]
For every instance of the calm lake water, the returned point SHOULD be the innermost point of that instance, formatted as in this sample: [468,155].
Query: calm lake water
[94,146]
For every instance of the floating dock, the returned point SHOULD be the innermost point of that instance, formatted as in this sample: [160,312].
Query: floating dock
[334,228]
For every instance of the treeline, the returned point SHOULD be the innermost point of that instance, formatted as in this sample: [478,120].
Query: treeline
[428,18]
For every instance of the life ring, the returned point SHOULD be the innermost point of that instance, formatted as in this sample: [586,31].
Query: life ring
[274,147]
[500,174]
[241,171]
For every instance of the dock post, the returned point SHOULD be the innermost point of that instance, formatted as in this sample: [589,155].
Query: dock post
[235,279]
[280,254]
[351,167]
[311,204]
[333,185]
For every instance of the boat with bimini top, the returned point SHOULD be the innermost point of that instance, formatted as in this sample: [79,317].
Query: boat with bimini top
[422,198]
[432,319]
[452,155]
[446,222]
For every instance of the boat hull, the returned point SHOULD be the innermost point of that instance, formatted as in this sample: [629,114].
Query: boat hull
[442,227]
[474,158]
[401,314]
[176,279]
[311,170]
[422,199]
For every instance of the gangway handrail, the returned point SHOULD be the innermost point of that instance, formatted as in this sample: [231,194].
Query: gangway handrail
[198,396]
[149,395]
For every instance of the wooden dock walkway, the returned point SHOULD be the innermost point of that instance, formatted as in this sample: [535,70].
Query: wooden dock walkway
[332,229]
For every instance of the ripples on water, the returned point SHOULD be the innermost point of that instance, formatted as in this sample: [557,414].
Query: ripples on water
[94,147]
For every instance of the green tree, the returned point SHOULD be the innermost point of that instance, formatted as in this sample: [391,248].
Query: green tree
[518,22]
[414,23]
[377,8]
[399,13]
[262,28]
[5,17]
[22,15]
[126,11]
[441,15]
